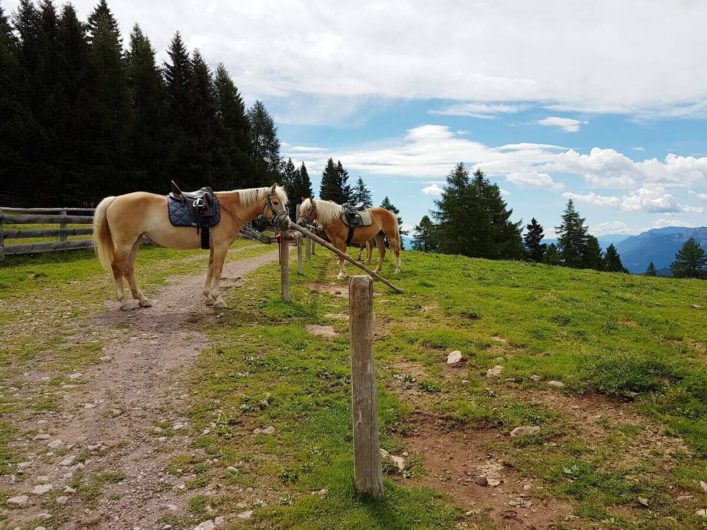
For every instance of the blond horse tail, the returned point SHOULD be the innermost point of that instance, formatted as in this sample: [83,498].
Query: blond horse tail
[102,239]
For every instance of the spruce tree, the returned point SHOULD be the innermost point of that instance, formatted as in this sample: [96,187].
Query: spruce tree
[265,145]
[424,234]
[203,126]
[612,260]
[650,271]
[591,254]
[451,214]
[572,237]
[290,182]
[361,194]
[147,97]
[343,178]
[304,184]
[178,84]
[534,248]
[552,255]
[330,187]
[237,167]
[690,261]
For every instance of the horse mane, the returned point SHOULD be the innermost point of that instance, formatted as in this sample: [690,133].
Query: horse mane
[327,211]
[250,196]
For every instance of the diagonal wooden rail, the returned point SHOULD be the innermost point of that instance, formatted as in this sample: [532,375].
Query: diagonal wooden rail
[325,244]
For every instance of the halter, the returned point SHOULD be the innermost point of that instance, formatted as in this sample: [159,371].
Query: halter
[312,215]
[268,205]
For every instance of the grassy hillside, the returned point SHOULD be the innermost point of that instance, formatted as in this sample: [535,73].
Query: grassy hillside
[622,435]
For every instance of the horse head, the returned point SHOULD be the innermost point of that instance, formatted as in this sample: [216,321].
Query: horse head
[274,202]
[307,213]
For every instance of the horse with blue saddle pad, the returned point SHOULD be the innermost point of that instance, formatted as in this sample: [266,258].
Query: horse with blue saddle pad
[197,219]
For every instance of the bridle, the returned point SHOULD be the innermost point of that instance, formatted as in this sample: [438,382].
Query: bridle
[312,214]
[269,205]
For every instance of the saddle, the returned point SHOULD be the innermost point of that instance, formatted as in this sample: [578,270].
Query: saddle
[354,216]
[199,209]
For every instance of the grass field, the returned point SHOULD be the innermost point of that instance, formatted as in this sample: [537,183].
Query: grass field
[622,435]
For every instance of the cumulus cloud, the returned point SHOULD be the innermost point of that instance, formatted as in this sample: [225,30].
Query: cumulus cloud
[422,49]
[433,190]
[533,179]
[647,199]
[566,124]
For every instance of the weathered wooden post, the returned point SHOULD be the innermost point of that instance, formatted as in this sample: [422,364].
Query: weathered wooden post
[62,227]
[2,237]
[285,266]
[368,474]
[308,250]
[300,265]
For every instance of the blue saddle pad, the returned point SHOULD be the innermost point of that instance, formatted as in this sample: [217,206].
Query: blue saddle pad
[180,214]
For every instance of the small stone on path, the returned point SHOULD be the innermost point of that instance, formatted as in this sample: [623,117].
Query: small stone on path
[701,513]
[42,437]
[454,357]
[206,525]
[398,461]
[19,500]
[266,430]
[495,371]
[556,384]
[326,332]
[703,485]
[69,460]
[245,515]
[55,443]
[75,375]
[62,500]
[525,430]
[42,489]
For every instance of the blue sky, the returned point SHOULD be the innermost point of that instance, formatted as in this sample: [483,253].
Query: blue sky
[604,102]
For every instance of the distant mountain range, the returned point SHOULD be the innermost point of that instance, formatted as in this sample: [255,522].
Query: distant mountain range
[658,245]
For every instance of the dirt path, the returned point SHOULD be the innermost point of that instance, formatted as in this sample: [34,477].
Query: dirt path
[118,431]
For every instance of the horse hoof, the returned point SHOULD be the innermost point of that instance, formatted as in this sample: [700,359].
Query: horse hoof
[209,301]
[341,276]
[129,306]
[145,303]
[220,304]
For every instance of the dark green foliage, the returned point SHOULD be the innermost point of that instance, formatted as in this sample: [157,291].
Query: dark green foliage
[334,185]
[297,185]
[612,261]
[572,240]
[690,261]
[362,194]
[534,248]
[591,254]
[650,271]
[80,119]
[552,255]
[473,219]
[266,146]
[425,237]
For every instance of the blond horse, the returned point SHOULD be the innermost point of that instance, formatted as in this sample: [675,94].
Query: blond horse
[328,214]
[120,222]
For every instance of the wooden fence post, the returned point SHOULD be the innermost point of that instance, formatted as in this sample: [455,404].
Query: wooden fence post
[300,265]
[285,267]
[62,225]
[308,250]
[368,474]
[2,238]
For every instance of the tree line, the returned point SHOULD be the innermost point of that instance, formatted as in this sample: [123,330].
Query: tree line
[472,219]
[81,117]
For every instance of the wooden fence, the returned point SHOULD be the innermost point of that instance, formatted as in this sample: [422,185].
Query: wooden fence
[13,223]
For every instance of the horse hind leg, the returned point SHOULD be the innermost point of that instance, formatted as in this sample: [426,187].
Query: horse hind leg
[209,275]
[130,275]
[380,244]
[217,269]
[395,247]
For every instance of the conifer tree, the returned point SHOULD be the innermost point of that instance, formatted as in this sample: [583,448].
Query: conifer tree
[290,179]
[534,248]
[424,234]
[329,189]
[265,144]
[552,255]
[361,194]
[451,214]
[203,123]
[343,179]
[591,254]
[304,183]
[650,271]
[612,260]
[690,261]
[572,237]
[237,167]
[149,112]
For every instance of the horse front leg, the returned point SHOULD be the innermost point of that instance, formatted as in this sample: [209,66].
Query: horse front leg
[380,243]
[209,275]
[342,263]
[130,275]
[219,258]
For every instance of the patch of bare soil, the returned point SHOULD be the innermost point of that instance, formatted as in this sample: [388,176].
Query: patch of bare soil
[456,461]
[126,419]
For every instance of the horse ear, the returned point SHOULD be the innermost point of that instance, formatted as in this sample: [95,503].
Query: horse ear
[273,188]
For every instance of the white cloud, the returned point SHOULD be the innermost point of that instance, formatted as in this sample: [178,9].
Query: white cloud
[485,111]
[700,196]
[433,190]
[612,227]
[647,199]
[671,221]
[566,124]
[533,179]
[505,192]
[615,57]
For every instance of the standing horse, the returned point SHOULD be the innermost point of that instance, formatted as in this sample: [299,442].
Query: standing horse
[120,222]
[329,215]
